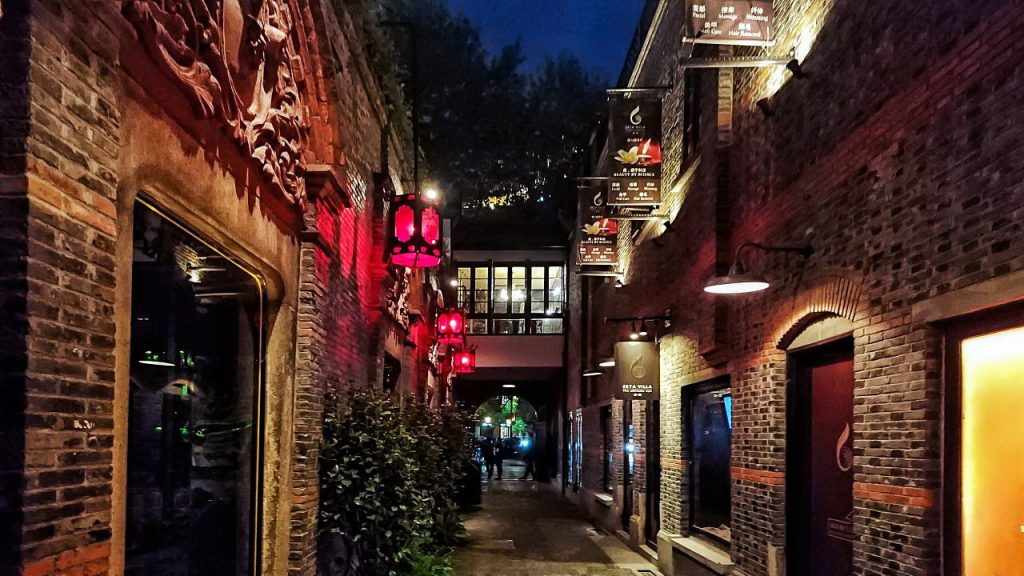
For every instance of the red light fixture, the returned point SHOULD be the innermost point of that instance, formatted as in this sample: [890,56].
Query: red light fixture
[464,360]
[415,233]
[451,326]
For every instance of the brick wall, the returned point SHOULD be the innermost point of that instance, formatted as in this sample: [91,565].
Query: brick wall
[895,160]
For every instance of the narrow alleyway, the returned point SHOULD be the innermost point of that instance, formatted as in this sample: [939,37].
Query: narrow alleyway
[526,529]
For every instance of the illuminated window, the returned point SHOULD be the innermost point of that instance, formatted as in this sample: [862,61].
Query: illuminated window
[992,461]
[513,299]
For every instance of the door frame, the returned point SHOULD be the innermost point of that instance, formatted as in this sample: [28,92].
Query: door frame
[955,332]
[798,369]
[652,516]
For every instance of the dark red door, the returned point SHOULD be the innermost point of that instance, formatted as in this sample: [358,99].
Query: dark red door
[831,469]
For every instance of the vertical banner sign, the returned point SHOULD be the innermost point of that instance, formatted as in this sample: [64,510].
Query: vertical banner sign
[599,234]
[637,369]
[738,22]
[635,178]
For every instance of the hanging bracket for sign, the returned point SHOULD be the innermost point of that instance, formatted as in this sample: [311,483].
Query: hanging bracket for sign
[704,63]
[598,274]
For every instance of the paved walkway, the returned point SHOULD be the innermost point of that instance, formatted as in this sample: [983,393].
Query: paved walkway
[527,529]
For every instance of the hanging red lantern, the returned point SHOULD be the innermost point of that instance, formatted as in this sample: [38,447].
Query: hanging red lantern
[451,326]
[415,234]
[464,360]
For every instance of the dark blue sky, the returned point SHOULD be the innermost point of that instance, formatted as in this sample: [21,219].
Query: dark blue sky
[597,31]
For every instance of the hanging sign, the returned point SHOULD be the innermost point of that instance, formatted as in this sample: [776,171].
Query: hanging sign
[599,234]
[637,369]
[635,138]
[737,22]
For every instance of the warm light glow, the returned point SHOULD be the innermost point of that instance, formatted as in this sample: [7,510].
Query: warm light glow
[454,283]
[487,419]
[993,453]
[508,385]
[737,285]
[592,373]
[634,336]
[609,363]
[432,194]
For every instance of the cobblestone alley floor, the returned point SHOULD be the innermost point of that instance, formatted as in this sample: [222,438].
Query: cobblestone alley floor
[526,529]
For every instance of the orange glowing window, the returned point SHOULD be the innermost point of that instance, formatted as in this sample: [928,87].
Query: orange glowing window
[993,453]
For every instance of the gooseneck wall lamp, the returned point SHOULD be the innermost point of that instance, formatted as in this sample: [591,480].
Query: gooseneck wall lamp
[739,280]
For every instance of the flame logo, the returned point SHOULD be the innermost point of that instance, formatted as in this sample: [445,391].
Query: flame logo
[844,455]
[598,200]
[634,117]
[636,369]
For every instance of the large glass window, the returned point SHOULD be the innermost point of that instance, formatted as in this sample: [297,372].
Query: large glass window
[710,425]
[194,425]
[513,299]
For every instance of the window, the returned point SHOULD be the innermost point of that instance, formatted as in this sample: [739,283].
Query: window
[710,427]
[513,299]
[608,450]
[194,407]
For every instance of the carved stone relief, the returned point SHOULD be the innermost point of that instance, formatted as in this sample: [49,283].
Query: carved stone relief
[237,62]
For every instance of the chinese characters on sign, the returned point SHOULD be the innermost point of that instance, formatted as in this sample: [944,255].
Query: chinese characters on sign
[599,235]
[635,178]
[742,22]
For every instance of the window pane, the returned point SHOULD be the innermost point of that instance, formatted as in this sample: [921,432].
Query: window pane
[192,425]
[513,327]
[519,290]
[711,445]
[500,290]
[547,326]
[465,286]
[477,326]
[537,278]
[537,302]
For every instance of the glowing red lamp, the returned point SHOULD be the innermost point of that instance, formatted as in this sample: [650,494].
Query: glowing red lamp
[464,361]
[415,234]
[451,326]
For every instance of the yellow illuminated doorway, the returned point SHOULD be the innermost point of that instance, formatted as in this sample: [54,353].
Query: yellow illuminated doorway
[992,457]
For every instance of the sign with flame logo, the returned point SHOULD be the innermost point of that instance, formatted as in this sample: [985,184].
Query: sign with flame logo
[635,144]
[637,369]
[599,234]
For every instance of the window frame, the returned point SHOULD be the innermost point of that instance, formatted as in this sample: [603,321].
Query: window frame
[691,393]
[492,317]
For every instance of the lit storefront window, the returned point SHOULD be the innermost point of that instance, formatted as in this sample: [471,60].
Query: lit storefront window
[992,472]
[710,425]
[513,299]
[194,409]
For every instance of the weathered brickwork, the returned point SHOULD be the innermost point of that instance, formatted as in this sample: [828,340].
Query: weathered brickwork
[88,121]
[895,161]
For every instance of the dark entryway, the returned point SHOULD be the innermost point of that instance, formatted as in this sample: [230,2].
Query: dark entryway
[820,461]
[653,515]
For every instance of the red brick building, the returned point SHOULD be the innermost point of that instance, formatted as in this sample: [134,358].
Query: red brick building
[193,207]
[844,421]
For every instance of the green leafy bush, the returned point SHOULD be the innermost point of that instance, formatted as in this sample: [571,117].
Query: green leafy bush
[389,476]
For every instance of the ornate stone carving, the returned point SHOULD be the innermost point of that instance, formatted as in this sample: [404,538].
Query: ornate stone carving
[396,298]
[237,62]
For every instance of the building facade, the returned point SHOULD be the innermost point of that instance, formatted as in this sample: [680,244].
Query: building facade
[845,420]
[194,198]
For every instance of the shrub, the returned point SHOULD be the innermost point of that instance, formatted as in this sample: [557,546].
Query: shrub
[388,482]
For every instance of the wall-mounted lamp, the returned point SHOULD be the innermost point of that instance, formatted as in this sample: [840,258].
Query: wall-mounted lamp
[738,280]
[643,329]
[593,372]
[794,67]
[619,283]
[634,334]
[607,363]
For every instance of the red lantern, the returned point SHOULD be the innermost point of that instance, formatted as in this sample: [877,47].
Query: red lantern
[464,361]
[415,233]
[451,326]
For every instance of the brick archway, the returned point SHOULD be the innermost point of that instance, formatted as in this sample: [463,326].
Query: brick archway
[834,293]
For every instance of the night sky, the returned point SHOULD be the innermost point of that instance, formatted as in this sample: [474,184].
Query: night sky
[597,31]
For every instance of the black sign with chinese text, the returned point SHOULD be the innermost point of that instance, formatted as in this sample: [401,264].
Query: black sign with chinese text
[635,145]
[599,234]
[637,369]
[740,22]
